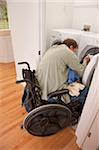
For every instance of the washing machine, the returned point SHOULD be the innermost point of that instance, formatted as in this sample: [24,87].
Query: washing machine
[84,39]
[88,39]
[61,34]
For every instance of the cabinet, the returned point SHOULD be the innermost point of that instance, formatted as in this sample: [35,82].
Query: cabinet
[87,131]
[6,50]
[92,140]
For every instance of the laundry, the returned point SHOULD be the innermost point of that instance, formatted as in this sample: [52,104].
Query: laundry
[74,88]
[74,81]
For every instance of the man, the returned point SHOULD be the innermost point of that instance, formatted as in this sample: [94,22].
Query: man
[52,71]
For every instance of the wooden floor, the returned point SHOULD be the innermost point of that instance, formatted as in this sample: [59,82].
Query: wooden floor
[12,115]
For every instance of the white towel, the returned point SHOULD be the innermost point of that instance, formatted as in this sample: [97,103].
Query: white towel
[74,88]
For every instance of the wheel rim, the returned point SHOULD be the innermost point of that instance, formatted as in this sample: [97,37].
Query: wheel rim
[47,120]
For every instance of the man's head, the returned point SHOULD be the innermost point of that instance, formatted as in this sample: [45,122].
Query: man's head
[72,44]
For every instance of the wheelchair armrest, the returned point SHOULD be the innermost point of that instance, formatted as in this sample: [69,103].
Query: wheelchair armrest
[58,93]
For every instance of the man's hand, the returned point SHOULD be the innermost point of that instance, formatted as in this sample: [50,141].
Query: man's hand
[87,59]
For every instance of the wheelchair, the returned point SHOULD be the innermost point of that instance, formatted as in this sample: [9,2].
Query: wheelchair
[44,118]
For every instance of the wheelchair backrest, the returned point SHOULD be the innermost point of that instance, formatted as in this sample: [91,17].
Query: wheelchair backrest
[32,92]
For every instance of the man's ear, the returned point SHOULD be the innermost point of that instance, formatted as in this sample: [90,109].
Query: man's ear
[71,47]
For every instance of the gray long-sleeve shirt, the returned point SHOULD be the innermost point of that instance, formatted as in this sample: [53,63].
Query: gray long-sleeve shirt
[53,69]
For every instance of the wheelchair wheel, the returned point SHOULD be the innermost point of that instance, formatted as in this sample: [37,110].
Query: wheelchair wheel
[47,119]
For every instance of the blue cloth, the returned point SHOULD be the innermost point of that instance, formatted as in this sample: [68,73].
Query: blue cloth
[72,76]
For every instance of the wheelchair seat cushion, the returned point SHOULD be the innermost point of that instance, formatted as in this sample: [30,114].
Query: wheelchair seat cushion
[47,119]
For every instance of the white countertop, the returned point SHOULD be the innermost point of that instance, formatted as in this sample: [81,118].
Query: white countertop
[76,31]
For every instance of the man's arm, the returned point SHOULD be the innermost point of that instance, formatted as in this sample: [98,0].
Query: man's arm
[74,63]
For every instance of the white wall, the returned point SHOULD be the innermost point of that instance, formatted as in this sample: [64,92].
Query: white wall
[86,12]
[58,15]
[71,14]
[98,16]
[24,25]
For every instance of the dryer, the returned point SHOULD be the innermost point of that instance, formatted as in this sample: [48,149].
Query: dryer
[61,34]
[83,38]
[88,39]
